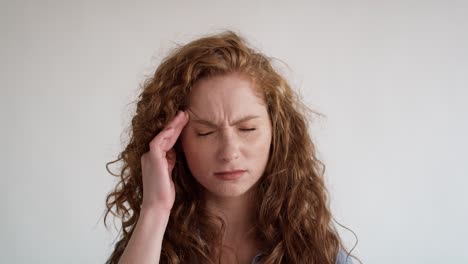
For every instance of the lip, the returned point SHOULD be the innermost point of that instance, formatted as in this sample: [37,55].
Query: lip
[230,175]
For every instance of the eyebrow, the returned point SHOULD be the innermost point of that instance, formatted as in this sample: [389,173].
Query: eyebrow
[208,123]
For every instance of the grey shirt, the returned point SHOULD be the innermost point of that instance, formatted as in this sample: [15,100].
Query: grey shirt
[342,258]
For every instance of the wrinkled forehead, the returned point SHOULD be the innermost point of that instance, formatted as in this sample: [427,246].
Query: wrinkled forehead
[227,90]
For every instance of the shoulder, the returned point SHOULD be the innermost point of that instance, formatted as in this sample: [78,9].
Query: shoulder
[343,258]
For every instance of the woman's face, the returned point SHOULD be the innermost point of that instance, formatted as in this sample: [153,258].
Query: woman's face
[229,129]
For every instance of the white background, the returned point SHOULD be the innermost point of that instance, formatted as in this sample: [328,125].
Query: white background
[391,77]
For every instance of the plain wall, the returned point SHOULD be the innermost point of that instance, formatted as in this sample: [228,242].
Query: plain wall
[391,78]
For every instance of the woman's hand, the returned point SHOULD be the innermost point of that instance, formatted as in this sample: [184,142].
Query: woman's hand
[145,243]
[157,165]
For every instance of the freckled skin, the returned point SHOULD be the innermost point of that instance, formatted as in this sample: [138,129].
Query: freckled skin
[222,100]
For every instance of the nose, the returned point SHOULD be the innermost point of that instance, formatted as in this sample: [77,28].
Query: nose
[228,148]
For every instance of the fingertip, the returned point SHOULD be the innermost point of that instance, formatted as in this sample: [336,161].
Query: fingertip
[186,114]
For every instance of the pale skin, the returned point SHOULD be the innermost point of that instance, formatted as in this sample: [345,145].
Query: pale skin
[238,136]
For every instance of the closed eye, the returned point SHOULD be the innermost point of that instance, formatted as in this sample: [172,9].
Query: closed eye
[242,129]
[204,134]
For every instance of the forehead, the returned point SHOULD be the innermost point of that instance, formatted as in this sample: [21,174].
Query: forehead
[227,93]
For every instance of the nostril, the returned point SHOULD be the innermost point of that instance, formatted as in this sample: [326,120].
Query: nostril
[226,156]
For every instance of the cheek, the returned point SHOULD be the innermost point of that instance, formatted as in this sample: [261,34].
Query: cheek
[260,154]
[197,154]
[191,144]
[260,150]
[259,141]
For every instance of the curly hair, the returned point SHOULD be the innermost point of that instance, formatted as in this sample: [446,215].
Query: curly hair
[292,218]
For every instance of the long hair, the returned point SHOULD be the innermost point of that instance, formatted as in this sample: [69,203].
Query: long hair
[292,220]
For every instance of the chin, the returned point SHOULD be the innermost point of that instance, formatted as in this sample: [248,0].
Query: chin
[229,191]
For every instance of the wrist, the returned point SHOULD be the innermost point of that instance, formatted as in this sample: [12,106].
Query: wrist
[155,211]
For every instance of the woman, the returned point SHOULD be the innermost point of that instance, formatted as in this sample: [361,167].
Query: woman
[220,167]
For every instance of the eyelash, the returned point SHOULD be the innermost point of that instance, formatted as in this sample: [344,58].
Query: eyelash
[242,129]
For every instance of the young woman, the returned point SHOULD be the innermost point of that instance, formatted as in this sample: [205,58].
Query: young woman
[220,167]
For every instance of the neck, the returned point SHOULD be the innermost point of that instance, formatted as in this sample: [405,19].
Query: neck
[237,213]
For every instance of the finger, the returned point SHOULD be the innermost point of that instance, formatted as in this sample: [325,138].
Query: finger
[157,141]
[176,120]
[182,121]
[167,137]
[172,138]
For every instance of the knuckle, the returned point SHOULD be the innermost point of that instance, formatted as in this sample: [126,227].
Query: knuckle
[143,158]
[154,144]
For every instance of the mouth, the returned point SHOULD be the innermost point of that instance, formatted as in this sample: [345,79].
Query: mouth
[230,175]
